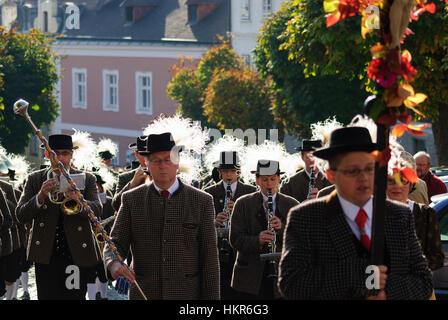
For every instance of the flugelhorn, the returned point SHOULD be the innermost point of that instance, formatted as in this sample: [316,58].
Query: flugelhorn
[68,206]
[21,108]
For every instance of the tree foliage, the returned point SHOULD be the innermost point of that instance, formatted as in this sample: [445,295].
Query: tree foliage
[221,92]
[238,98]
[295,47]
[27,66]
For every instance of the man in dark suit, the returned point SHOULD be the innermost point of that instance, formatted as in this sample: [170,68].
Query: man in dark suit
[61,245]
[135,177]
[228,167]
[169,226]
[250,236]
[298,186]
[327,240]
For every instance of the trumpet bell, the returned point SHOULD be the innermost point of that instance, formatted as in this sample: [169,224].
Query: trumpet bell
[21,107]
[71,206]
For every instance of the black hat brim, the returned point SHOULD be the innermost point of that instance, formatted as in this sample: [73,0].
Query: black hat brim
[328,153]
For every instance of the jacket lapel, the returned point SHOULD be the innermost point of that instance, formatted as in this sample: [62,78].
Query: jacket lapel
[338,229]
[261,214]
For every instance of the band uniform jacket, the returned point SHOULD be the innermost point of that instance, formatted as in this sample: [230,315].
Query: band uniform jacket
[427,230]
[219,193]
[248,220]
[6,221]
[77,228]
[173,243]
[320,259]
[123,185]
[298,185]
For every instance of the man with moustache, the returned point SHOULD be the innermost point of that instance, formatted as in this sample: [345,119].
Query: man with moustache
[249,234]
[298,185]
[327,241]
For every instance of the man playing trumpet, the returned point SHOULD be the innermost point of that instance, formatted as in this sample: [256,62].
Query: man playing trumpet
[60,245]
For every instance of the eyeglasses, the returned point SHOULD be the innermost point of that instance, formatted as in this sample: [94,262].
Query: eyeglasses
[159,162]
[63,153]
[391,181]
[356,172]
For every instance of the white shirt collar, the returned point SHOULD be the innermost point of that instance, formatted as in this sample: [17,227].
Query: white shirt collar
[232,187]
[351,210]
[411,205]
[171,189]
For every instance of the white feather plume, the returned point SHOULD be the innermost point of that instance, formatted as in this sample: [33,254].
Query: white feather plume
[225,143]
[106,144]
[322,131]
[189,168]
[85,157]
[185,131]
[109,178]
[366,122]
[21,167]
[268,150]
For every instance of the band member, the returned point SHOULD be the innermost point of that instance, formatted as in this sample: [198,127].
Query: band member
[107,150]
[327,240]
[228,167]
[298,185]
[58,240]
[249,235]
[169,227]
[134,178]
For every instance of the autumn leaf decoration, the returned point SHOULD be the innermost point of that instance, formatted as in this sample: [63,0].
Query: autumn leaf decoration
[416,130]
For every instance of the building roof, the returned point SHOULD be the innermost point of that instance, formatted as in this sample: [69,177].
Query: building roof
[166,21]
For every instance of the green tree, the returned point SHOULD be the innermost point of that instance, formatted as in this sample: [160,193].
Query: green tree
[298,36]
[303,95]
[238,98]
[215,92]
[27,65]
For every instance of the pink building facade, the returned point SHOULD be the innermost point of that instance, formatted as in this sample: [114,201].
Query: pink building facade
[115,90]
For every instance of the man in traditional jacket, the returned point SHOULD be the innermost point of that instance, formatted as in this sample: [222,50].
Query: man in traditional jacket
[229,169]
[61,245]
[326,253]
[298,185]
[250,236]
[169,227]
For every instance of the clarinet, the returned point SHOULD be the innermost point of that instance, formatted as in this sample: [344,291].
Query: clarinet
[271,245]
[311,186]
[224,232]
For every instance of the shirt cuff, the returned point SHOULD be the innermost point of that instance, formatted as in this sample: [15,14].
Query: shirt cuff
[37,201]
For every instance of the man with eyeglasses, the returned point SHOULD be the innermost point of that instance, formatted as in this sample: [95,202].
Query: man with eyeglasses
[169,227]
[60,245]
[435,184]
[326,252]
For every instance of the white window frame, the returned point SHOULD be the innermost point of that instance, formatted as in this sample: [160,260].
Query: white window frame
[138,93]
[107,106]
[245,17]
[115,162]
[267,8]
[75,102]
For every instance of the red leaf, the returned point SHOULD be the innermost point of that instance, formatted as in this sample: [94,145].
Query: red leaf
[410,175]
[332,19]
[431,8]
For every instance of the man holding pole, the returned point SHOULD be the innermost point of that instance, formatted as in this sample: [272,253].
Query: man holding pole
[327,247]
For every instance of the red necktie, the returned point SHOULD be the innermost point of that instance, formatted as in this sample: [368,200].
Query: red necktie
[165,194]
[361,219]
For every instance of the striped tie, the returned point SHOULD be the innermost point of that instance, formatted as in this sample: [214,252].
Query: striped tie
[361,222]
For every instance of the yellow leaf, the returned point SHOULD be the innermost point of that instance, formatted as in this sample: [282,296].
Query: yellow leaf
[414,100]
[331,5]
[405,90]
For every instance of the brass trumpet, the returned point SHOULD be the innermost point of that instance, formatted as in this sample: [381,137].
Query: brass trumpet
[68,206]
